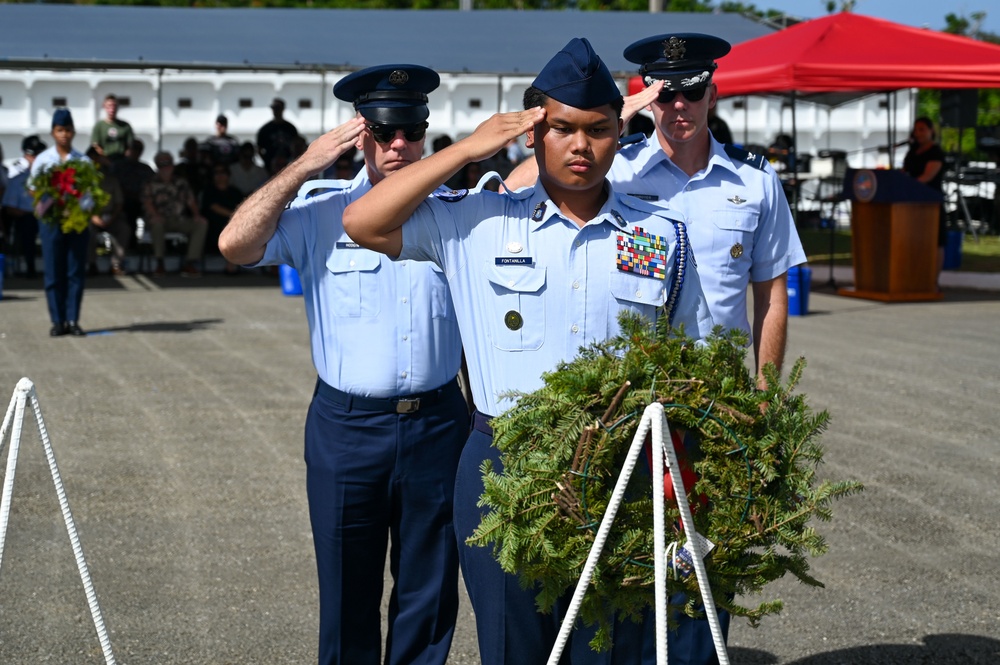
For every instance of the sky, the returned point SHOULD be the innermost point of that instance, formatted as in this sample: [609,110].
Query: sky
[918,13]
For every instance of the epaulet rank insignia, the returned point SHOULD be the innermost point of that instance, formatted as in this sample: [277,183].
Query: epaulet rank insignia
[630,139]
[756,160]
[451,196]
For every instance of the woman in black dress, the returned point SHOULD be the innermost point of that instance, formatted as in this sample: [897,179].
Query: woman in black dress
[925,162]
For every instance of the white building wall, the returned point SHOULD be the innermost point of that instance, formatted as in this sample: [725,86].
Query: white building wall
[166,107]
[859,128]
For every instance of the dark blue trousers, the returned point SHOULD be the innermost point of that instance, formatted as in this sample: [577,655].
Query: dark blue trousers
[510,629]
[373,477]
[65,260]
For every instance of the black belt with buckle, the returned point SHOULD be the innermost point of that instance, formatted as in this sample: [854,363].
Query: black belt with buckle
[481,423]
[403,404]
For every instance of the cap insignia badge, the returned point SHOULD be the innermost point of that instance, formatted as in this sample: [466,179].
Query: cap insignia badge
[398,77]
[674,48]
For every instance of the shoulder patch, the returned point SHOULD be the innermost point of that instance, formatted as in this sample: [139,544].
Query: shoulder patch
[758,161]
[451,195]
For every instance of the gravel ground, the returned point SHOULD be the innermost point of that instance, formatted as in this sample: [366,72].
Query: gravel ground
[177,427]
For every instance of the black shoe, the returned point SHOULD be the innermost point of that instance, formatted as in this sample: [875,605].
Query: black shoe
[73,329]
[58,330]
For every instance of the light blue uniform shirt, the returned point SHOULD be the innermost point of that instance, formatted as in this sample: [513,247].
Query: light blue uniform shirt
[50,157]
[378,328]
[740,225]
[531,287]
[17,195]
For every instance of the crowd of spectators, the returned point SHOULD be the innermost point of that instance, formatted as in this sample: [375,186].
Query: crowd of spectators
[193,193]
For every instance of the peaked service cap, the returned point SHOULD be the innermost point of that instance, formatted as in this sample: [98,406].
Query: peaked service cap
[32,145]
[389,94]
[684,60]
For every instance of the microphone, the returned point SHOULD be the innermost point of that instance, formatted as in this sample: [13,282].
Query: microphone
[900,144]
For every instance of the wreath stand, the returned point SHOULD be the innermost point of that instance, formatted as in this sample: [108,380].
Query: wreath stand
[24,391]
[653,418]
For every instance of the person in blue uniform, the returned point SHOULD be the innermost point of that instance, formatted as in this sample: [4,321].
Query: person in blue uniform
[19,206]
[741,228]
[387,421]
[742,231]
[535,275]
[64,255]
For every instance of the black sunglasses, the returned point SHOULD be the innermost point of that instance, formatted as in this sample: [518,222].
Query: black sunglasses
[692,95]
[387,133]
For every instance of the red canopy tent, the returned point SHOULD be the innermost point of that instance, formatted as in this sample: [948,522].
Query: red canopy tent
[832,59]
[851,52]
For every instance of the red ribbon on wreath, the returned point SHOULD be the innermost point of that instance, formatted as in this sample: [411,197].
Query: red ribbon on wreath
[686,446]
[65,182]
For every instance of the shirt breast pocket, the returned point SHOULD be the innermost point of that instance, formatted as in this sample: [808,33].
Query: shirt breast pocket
[636,294]
[441,307]
[517,313]
[732,248]
[354,282]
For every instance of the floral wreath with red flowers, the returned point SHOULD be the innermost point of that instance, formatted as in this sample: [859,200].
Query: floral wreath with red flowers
[67,194]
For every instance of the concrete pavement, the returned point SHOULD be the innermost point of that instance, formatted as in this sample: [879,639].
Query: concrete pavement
[177,426]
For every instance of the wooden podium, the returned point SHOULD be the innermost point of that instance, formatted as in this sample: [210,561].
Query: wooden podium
[894,232]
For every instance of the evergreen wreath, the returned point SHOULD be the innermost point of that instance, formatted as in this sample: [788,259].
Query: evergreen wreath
[563,445]
[68,193]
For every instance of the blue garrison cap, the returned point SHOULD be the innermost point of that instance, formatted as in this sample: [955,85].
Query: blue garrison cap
[684,60]
[389,94]
[62,118]
[577,77]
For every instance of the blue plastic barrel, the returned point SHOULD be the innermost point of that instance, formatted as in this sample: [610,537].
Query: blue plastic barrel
[799,279]
[953,250]
[290,284]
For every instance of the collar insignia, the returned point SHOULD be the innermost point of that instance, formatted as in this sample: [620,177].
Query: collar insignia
[539,212]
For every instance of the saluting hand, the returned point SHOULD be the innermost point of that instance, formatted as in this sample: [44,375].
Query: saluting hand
[640,100]
[497,131]
[325,150]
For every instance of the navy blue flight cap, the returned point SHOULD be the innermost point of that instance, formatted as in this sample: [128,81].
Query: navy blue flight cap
[577,77]
[389,94]
[62,118]
[684,60]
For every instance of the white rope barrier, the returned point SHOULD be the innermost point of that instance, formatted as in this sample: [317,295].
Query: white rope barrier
[694,541]
[655,420]
[24,391]
[661,605]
